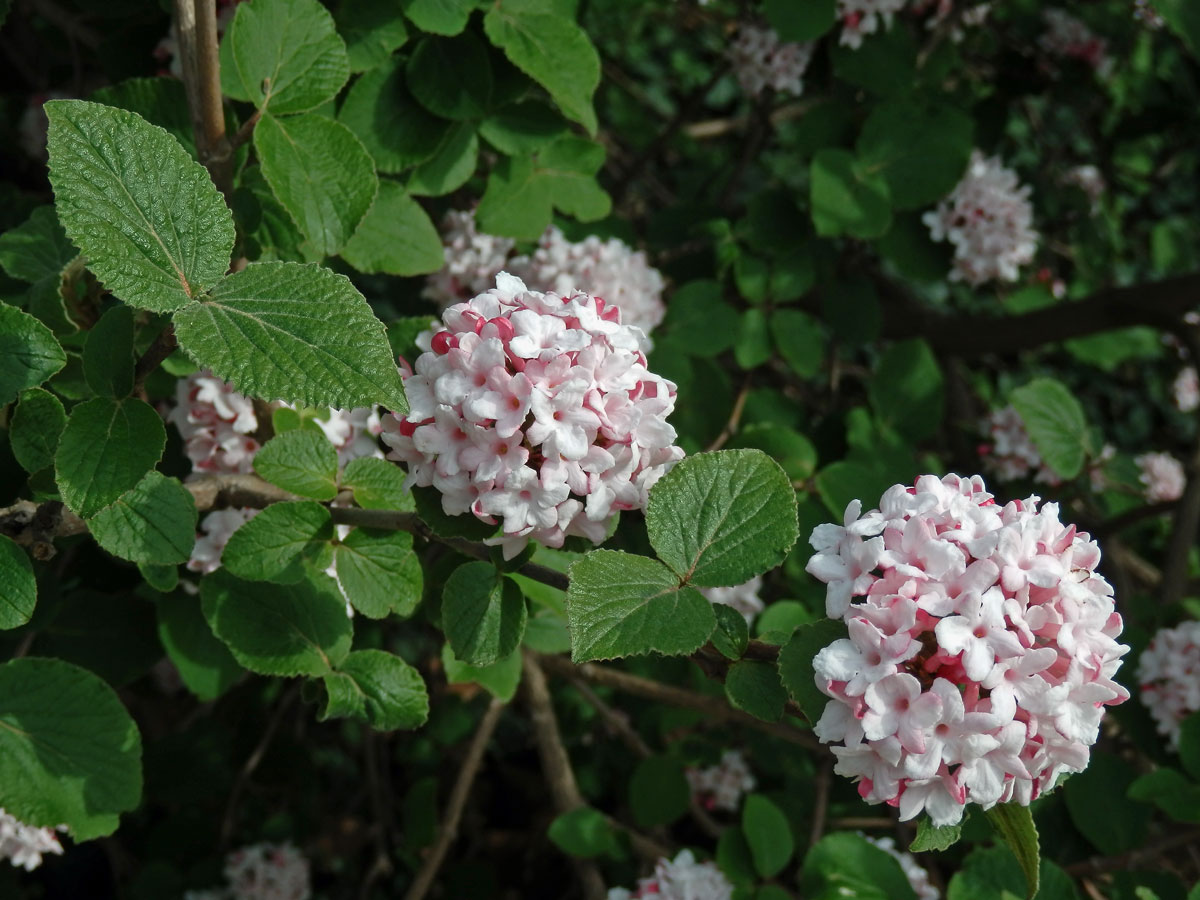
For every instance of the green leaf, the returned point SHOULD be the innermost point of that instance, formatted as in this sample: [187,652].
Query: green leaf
[396,237]
[372,32]
[792,450]
[935,837]
[1014,823]
[108,353]
[500,679]
[293,332]
[553,51]
[722,518]
[1056,424]
[163,578]
[1098,803]
[798,22]
[584,832]
[69,752]
[205,664]
[1169,790]
[799,340]
[988,874]
[700,319]
[297,629]
[18,588]
[379,572]
[387,692]
[160,101]
[154,523]
[907,390]
[451,77]
[321,173]
[732,633]
[840,482]
[1184,19]
[847,865]
[428,501]
[1189,745]
[483,614]
[450,166]
[35,428]
[658,791]
[377,484]
[396,130]
[921,149]
[147,216]
[619,604]
[274,545]
[447,17]
[847,197]
[752,347]
[107,447]
[768,833]
[796,663]
[754,687]
[302,462]
[283,55]
[37,249]
[523,127]
[30,352]
[885,64]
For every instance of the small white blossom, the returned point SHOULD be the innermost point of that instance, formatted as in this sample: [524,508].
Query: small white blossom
[760,60]
[1162,475]
[24,845]
[680,879]
[268,872]
[743,597]
[1186,389]
[722,786]
[861,17]
[1168,676]
[216,528]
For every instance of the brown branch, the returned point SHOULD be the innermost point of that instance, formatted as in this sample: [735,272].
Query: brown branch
[253,760]
[1130,517]
[735,418]
[196,32]
[164,345]
[821,803]
[448,829]
[1131,859]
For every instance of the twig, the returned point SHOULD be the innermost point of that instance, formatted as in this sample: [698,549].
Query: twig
[196,31]
[1129,860]
[382,864]
[448,828]
[716,127]
[820,803]
[1131,517]
[735,418]
[164,345]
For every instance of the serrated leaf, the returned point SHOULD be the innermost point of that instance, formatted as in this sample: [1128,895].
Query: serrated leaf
[35,428]
[108,353]
[69,752]
[499,679]
[297,629]
[452,163]
[153,523]
[379,573]
[147,216]
[1014,823]
[451,77]
[768,833]
[300,333]
[395,237]
[848,198]
[377,484]
[30,352]
[372,32]
[721,518]
[107,447]
[18,588]
[483,614]
[619,605]
[935,837]
[447,17]
[274,544]
[796,663]
[921,149]
[754,687]
[283,55]
[160,101]
[793,451]
[205,664]
[302,462]
[321,173]
[396,130]
[1056,424]
[381,688]
[37,249]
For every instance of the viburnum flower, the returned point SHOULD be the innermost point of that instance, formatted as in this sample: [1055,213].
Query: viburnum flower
[1012,455]
[679,879]
[473,260]
[916,874]
[1145,13]
[215,530]
[268,872]
[860,17]
[989,220]
[1163,477]
[1068,37]
[760,60]
[981,650]
[24,845]
[1186,390]
[1168,677]
[973,15]
[535,411]
[723,785]
[743,597]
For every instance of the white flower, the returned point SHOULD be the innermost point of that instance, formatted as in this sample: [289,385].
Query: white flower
[1169,677]
[723,785]
[268,872]
[1186,389]
[860,17]
[760,60]
[680,879]
[216,528]
[743,597]
[1163,476]
[24,845]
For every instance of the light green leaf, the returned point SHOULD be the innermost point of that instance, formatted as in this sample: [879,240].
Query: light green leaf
[205,664]
[69,752]
[18,588]
[37,249]
[396,130]
[584,832]
[1056,424]
[30,352]
[148,217]
[297,629]
[283,55]
[1014,823]
[379,573]
[381,688]
[266,223]
[451,164]
[108,353]
[754,687]
[163,578]
[483,614]
[500,679]
[658,791]
[921,149]
[302,462]
[796,664]
[848,198]
[907,390]
[722,518]
[768,833]
[321,173]
[35,428]
[153,523]
[395,237]
[935,837]
[377,484]
[372,31]
[286,331]
[619,604]
[451,77]
[446,17]
[107,447]
[274,545]
[553,51]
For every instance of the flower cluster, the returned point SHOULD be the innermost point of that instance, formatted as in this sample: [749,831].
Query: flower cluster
[916,874]
[743,597]
[1186,390]
[760,60]
[1145,13]
[1011,454]
[1162,475]
[262,872]
[538,411]
[23,845]
[989,220]
[861,17]
[971,16]
[1069,38]
[214,532]
[473,259]
[722,786]
[1169,677]
[981,649]
[679,879]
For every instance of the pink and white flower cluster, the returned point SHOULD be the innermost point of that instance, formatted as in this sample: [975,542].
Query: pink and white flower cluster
[862,17]
[1068,37]
[761,60]
[682,878]
[742,597]
[989,220]
[213,533]
[722,786]
[916,874]
[472,260]
[1168,677]
[23,845]
[1162,476]
[536,411]
[1186,390]
[981,652]
[1012,455]
[262,872]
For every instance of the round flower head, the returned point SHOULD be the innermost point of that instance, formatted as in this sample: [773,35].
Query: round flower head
[860,17]
[535,411]
[23,845]
[989,220]
[917,877]
[680,879]
[1011,455]
[722,786]
[1162,475]
[743,597]
[760,60]
[473,259]
[1169,677]
[216,423]
[267,872]
[980,653]
[1186,390]
[216,528]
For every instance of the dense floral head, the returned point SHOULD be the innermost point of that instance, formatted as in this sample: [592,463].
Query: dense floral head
[679,879]
[722,786]
[981,652]
[1186,390]
[23,845]
[268,872]
[760,60]
[1162,476]
[536,411]
[1169,677]
[473,259]
[861,17]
